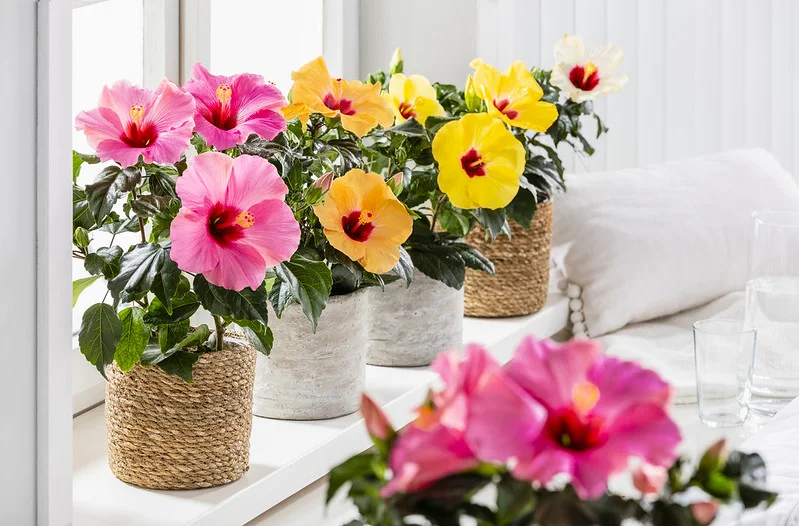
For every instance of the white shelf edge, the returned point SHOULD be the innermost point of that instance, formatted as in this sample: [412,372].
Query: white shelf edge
[285,456]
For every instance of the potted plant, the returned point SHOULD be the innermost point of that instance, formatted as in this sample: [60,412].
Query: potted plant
[545,433]
[174,233]
[352,227]
[565,95]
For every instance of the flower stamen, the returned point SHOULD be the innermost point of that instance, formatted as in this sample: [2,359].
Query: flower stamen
[137,113]
[245,219]
[224,92]
[585,396]
[365,218]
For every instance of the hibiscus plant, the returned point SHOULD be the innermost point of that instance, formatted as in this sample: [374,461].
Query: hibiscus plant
[486,154]
[546,432]
[176,221]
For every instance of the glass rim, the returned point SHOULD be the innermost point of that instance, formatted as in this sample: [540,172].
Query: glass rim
[740,327]
[777,217]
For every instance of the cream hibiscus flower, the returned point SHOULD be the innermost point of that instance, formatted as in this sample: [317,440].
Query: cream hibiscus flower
[586,74]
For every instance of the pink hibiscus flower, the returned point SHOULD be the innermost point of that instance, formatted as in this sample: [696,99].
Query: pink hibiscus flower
[131,121]
[477,386]
[229,109]
[234,223]
[600,412]
[450,435]
[421,457]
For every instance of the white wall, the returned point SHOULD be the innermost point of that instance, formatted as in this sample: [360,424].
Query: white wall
[705,75]
[18,263]
[437,37]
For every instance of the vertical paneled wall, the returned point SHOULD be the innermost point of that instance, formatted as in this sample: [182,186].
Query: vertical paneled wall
[705,75]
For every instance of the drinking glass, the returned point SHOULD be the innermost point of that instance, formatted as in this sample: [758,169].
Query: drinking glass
[724,354]
[772,306]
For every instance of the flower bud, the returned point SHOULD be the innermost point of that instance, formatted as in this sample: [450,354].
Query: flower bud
[470,95]
[82,239]
[704,512]
[397,63]
[377,423]
[715,457]
[649,479]
[325,182]
[395,183]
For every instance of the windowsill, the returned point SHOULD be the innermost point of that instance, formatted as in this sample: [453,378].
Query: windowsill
[285,456]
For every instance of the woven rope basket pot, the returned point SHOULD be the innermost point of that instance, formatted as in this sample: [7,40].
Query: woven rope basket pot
[164,433]
[521,266]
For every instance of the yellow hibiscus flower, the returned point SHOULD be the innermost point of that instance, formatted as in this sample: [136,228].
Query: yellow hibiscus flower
[363,219]
[514,96]
[479,162]
[412,96]
[359,105]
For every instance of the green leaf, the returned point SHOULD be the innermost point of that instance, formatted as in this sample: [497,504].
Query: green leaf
[522,208]
[493,221]
[410,128]
[171,334]
[81,217]
[404,267]
[165,283]
[105,261]
[130,224]
[133,339]
[259,335]
[78,159]
[100,331]
[718,485]
[453,220]
[180,364]
[154,355]
[245,304]
[440,263]
[433,123]
[473,258]
[162,180]
[752,496]
[515,499]
[139,267]
[106,189]
[309,281]
[356,467]
[182,309]
[79,285]
[150,205]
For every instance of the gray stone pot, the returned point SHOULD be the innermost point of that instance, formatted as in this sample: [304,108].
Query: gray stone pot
[409,327]
[311,376]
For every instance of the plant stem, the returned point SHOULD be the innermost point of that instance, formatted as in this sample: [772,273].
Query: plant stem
[435,211]
[220,333]
[141,221]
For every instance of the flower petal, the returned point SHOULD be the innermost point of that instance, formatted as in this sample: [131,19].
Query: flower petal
[623,383]
[265,123]
[193,249]
[204,182]
[549,371]
[275,233]
[116,150]
[252,180]
[172,109]
[240,266]
[251,94]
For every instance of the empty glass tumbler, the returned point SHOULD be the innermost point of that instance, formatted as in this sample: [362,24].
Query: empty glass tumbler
[724,354]
[772,306]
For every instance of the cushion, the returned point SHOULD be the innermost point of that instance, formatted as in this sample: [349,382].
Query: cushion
[648,242]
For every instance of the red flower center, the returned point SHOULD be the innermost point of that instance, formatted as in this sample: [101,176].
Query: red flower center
[502,106]
[573,431]
[358,225]
[473,164]
[585,77]
[137,136]
[406,110]
[343,106]
[224,225]
[222,116]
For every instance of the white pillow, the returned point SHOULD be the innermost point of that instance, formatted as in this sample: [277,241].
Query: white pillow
[649,242]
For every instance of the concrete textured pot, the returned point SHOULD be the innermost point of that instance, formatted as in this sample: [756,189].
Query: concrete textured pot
[311,376]
[409,327]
